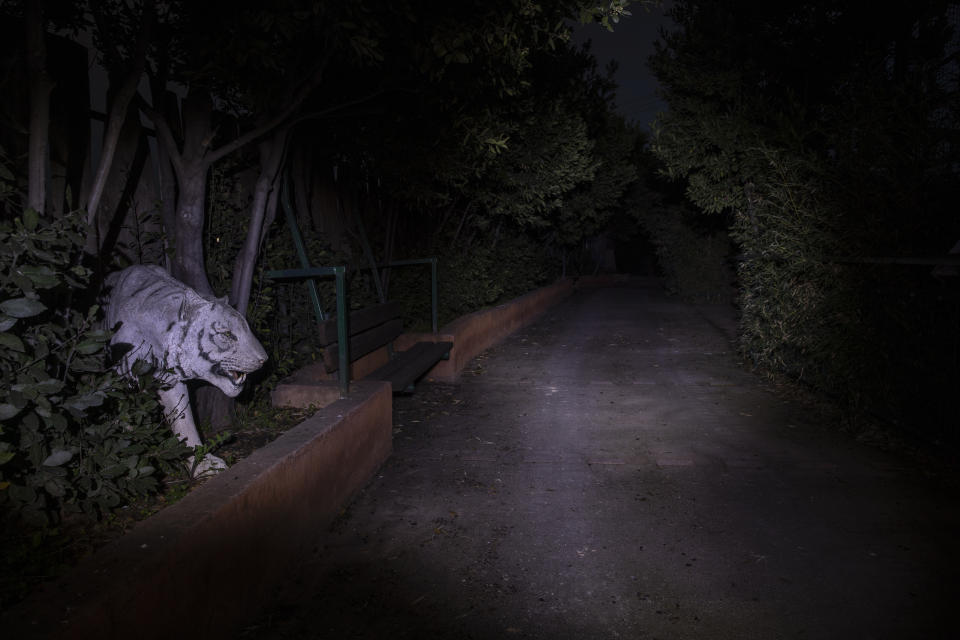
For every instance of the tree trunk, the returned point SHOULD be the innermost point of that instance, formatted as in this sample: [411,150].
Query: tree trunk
[188,262]
[496,235]
[271,157]
[167,188]
[119,110]
[300,168]
[389,242]
[166,177]
[40,88]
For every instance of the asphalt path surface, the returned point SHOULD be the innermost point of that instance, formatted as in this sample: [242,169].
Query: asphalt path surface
[612,471]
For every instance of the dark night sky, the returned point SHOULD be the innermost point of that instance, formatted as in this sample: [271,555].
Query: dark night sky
[630,44]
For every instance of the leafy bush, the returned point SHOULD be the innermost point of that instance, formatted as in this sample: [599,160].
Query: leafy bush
[881,341]
[484,275]
[72,435]
[693,257]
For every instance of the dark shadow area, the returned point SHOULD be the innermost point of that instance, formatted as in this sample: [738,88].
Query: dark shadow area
[637,256]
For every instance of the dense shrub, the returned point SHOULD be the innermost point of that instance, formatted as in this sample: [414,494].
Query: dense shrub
[72,435]
[487,275]
[694,259]
[798,316]
[880,340]
[826,176]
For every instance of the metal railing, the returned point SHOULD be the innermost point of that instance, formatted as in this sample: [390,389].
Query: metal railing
[308,273]
[343,334]
[343,317]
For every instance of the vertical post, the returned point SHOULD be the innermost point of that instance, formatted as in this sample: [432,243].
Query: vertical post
[373,263]
[434,295]
[298,243]
[343,335]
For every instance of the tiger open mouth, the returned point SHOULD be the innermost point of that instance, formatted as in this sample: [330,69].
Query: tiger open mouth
[236,377]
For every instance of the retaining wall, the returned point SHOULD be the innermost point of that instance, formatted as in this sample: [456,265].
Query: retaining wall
[203,566]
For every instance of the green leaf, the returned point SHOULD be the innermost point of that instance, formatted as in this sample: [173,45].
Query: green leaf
[81,403]
[7,411]
[22,494]
[55,421]
[57,458]
[6,322]
[30,219]
[49,386]
[86,364]
[98,334]
[55,488]
[115,470]
[11,342]
[22,307]
[42,277]
[88,347]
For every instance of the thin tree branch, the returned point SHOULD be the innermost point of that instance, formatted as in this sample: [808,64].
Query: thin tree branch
[316,115]
[164,135]
[40,88]
[292,105]
[119,108]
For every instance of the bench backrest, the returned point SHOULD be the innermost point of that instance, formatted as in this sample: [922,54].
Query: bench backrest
[369,329]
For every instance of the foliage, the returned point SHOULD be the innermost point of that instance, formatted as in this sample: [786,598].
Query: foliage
[549,154]
[9,196]
[488,275]
[501,119]
[692,256]
[74,437]
[824,135]
[796,308]
[589,208]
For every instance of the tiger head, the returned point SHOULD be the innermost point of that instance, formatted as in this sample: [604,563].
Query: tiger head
[217,345]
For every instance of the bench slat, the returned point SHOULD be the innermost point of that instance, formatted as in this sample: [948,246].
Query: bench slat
[363,343]
[360,321]
[409,365]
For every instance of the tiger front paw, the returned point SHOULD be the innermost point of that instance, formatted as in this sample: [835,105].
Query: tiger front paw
[208,465]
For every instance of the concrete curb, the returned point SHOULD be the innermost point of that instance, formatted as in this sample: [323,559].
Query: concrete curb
[203,565]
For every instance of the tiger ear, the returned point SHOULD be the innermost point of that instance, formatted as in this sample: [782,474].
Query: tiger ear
[224,299]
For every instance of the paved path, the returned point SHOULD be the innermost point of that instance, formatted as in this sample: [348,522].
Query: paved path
[610,472]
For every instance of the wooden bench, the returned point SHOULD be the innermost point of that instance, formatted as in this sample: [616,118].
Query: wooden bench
[375,327]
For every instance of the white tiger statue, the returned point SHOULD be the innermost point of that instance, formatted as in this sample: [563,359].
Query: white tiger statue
[187,336]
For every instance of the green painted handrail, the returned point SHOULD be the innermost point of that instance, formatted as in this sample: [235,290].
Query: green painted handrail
[308,273]
[342,316]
